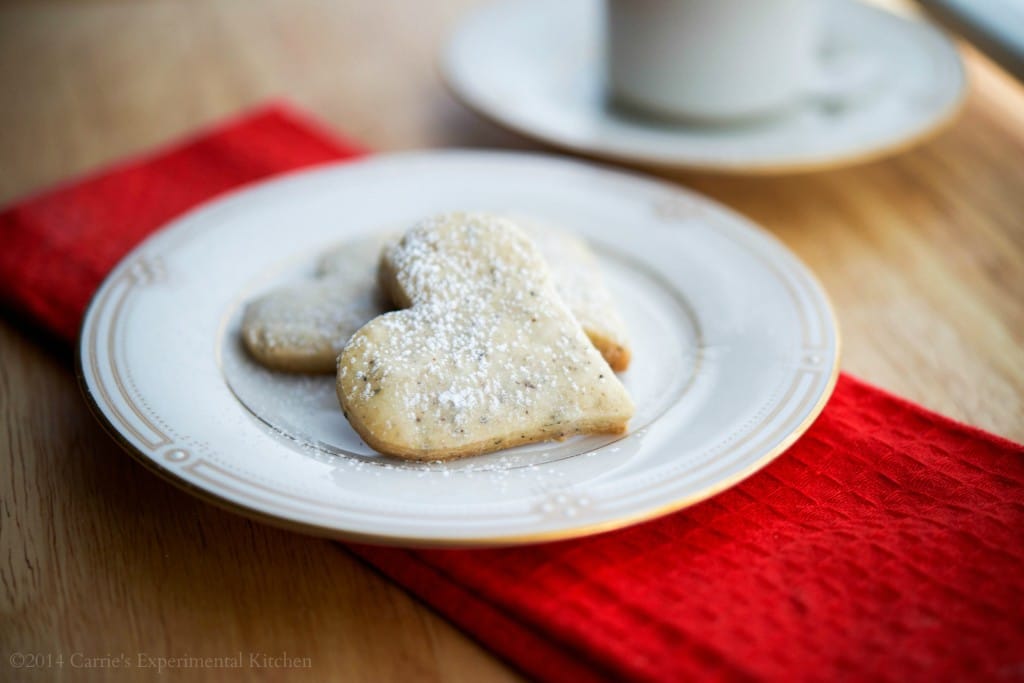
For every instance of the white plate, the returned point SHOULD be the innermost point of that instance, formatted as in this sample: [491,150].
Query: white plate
[535,67]
[735,353]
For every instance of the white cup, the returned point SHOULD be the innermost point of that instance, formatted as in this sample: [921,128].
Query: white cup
[712,59]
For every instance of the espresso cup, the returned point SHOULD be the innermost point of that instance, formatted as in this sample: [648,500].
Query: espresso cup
[711,59]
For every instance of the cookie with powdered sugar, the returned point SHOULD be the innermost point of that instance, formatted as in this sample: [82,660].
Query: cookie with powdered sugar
[484,354]
[578,279]
[302,327]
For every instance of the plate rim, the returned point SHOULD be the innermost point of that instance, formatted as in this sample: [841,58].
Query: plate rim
[726,168]
[501,540]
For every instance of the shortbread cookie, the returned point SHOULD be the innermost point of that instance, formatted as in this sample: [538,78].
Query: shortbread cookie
[484,356]
[303,327]
[578,279]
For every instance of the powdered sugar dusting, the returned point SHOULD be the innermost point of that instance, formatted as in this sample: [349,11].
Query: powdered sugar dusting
[579,282]
[305,325]
[486,356]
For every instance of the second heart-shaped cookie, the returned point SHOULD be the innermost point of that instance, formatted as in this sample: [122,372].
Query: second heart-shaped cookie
[484,355]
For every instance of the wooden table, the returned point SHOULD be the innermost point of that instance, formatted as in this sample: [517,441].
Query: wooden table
[923,256]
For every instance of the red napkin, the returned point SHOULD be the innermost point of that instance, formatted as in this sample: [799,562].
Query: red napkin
[885,545]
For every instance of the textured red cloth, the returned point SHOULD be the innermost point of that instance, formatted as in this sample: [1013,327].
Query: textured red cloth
[885,545]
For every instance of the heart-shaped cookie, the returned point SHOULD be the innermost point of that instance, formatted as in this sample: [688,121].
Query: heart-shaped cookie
[484,355]
[579,281]
[302,327]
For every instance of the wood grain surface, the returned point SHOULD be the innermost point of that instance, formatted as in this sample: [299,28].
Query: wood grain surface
[922,254]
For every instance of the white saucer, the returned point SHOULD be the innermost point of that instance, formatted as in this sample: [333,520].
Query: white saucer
[735,352]
[535,67]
